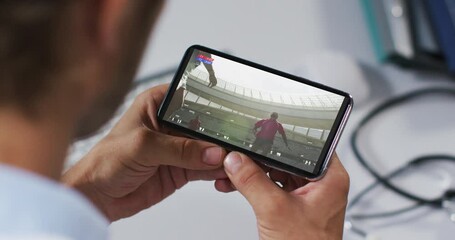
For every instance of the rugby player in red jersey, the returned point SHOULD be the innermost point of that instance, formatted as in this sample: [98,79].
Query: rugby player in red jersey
[266,135]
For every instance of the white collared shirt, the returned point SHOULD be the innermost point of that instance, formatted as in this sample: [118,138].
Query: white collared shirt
[33,207]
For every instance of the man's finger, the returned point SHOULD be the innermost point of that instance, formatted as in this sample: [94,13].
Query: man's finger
[142,111]
[251,181]
[224,185]
[335,182]
[206,175]
[156,148]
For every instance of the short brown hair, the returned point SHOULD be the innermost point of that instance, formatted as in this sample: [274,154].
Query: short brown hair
[29,38]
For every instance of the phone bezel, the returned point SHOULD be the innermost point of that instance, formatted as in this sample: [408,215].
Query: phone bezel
[326,151]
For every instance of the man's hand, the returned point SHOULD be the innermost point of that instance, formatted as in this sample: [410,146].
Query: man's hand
[139,164]
[298,210]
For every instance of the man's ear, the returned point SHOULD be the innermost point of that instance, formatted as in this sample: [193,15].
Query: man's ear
[111,14]
[95,34]
[103,18]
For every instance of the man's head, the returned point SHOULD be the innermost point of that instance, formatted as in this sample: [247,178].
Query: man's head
[274,115]
[74,57]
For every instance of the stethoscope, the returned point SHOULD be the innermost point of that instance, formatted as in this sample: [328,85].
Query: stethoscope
[445,201]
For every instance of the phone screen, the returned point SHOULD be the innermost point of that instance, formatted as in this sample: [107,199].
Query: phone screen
[287,121]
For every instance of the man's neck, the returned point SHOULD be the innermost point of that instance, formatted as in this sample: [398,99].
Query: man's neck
[36,145]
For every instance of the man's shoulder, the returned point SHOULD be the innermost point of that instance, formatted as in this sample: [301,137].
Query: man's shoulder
[32,205]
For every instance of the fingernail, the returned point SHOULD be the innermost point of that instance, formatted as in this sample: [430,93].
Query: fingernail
[233,162]
[212,156]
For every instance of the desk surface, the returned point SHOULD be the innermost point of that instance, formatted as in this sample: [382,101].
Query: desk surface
[278,34]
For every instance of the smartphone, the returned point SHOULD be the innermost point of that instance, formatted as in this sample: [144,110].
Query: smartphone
[283,121]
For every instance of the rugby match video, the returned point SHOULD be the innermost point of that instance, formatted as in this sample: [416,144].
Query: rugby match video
[253,109]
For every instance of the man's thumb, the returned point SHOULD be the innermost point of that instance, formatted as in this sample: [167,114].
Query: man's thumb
[250,180]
